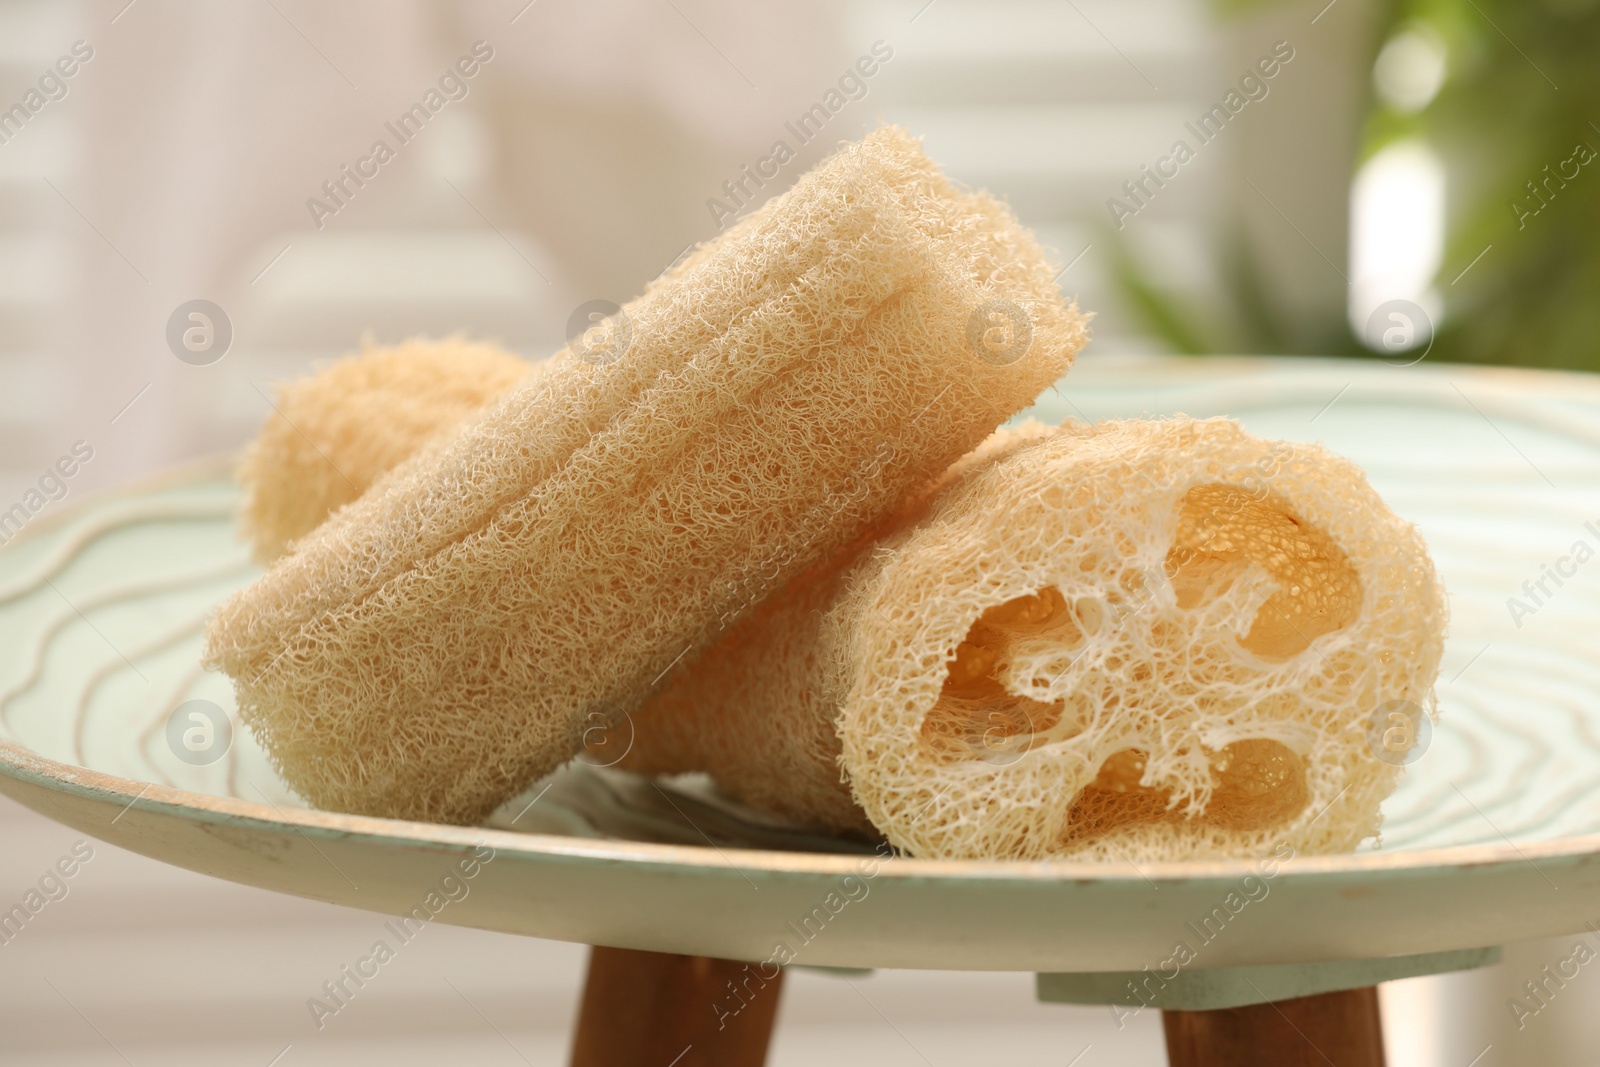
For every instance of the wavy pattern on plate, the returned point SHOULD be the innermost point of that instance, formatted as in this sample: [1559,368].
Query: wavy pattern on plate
[101,612]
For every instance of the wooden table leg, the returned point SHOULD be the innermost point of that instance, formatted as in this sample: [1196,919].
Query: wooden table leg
[652,1009]
[1341,1028]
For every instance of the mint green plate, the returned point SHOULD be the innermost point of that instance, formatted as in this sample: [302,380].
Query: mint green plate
[1494,834]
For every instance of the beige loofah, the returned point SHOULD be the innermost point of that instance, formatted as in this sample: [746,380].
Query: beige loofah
[759,721]
[1137,640]
[446,638]
[331,435]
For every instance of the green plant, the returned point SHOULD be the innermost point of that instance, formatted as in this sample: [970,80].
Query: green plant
[1516,122]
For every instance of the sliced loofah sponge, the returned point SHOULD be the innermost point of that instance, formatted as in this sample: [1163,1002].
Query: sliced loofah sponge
[1134,640]
[446,638]
[750,709]
[331,435]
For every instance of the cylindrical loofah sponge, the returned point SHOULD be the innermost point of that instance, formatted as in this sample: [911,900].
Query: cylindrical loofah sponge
[751,710]
[1134,640]
[446,638]
[331,435]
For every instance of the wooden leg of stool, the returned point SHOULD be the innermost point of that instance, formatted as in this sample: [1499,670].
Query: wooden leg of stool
[1342,1029]
[652,1009]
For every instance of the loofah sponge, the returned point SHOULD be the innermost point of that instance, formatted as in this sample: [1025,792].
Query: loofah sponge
[331,435]
[760,723]
[1135,640]
[447,637]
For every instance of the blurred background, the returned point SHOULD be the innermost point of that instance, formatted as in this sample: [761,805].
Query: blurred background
[1360,178]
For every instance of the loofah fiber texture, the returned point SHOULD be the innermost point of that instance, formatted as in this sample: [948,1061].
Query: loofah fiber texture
[761,724]
[331,435]
[1143,640]
[447,637]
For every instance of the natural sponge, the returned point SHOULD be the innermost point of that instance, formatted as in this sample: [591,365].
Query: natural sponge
[447,637]
[1134,640]
[754,709]
[331,435]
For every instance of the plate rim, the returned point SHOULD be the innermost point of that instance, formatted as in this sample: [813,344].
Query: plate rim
[19,762]
[28,767]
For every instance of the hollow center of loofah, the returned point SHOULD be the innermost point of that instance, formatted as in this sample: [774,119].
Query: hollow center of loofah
[975,717]
[1255,784]
[1224,529]
[1225,535]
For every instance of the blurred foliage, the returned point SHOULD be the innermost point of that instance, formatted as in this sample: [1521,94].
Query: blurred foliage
[1521,93]
[1250,319]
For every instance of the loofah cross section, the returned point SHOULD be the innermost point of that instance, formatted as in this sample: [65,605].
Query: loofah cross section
[331,435]
[447,637]
[1146,640]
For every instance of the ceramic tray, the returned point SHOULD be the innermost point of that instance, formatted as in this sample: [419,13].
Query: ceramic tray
[1493,835]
